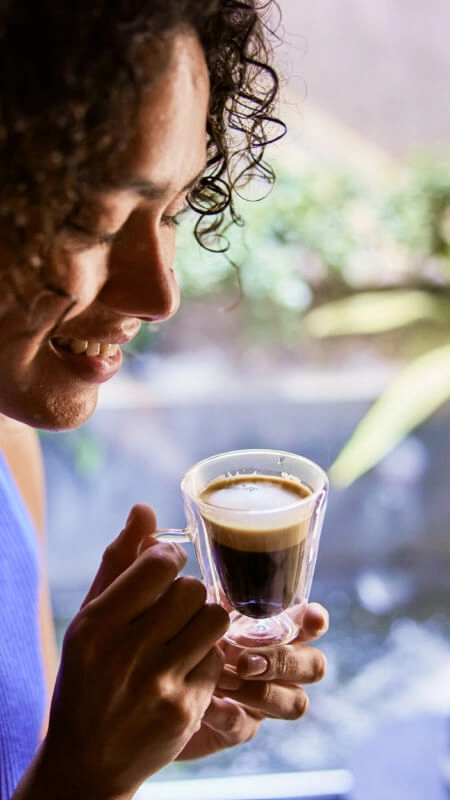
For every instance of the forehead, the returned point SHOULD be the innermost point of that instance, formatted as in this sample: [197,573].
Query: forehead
[168,145]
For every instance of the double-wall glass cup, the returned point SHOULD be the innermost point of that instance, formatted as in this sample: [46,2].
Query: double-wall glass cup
[255,519]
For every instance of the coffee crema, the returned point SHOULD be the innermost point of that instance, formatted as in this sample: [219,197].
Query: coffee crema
[258,527]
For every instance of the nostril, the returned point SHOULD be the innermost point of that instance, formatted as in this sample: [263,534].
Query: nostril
[147,296]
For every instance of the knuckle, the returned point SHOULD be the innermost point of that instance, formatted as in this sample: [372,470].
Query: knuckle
[81,639]
[233,718]
[284,662]
[192,588]
[110,554]
[80,628]
[210,668]
[217,660]
[212,665]
[217,618]
[174,713]
[263,692]
[174,706]
[161,559]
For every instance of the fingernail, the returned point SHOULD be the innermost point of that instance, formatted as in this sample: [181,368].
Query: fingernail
[229,681]
[254,665]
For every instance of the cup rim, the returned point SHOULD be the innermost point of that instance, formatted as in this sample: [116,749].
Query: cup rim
[257,451]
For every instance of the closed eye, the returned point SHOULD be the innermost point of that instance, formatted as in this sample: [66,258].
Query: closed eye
[108,238]
[88,237]
[171,221]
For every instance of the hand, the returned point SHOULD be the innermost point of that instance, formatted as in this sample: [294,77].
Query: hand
[139,666]
[261,683]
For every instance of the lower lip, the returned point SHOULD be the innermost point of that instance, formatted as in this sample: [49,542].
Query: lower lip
[92,369]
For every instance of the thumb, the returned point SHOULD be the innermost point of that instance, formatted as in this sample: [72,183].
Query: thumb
[124,550]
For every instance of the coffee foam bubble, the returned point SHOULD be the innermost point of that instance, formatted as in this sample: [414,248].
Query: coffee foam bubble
[257,513]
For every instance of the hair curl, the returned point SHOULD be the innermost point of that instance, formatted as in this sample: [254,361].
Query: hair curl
[66,69]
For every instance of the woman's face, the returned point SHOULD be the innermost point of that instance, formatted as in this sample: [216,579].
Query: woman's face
[115,259]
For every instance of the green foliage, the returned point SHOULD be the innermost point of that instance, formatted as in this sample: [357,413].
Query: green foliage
[299,218]
[417,392]
[320,224]
[83,449]
[417,215]
[321,231]
[417,211]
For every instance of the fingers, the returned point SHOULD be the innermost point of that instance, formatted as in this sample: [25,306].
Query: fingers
[195,640]
[234,724]
[139,586]
[315,623]
[229,679]
[224,724]
[272,699]
[293,663]
[203,678]
[267,679]
[173,610]
[123,551]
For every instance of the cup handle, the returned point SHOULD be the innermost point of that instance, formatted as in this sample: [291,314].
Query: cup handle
[177,535]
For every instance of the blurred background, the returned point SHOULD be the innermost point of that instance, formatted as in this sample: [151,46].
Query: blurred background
[337,347]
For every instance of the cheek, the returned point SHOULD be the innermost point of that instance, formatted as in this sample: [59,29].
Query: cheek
[32,304]
[78,276]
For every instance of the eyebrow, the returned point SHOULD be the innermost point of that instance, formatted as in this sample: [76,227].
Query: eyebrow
[148,189]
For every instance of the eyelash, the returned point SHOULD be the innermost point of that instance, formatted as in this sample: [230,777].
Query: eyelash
[80,232]
[106,239]
[171,221]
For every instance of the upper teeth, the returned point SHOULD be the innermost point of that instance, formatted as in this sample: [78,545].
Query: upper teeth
[80,346]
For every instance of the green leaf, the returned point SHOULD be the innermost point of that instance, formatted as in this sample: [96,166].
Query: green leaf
[89,456]
[374,312]
[421,388]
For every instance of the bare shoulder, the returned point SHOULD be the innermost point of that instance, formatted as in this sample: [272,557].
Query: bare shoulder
[21,449]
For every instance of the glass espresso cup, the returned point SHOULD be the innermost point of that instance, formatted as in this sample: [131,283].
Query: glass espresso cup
[255,518]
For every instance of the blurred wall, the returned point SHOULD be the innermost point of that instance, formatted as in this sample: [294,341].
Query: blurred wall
[380,67]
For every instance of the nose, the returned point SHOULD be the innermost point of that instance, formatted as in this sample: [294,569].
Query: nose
[141,280]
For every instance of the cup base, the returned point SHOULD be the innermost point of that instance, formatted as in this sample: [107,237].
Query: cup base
[267,632]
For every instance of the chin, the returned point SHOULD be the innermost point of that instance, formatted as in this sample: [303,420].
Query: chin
[69,415]
[56,413]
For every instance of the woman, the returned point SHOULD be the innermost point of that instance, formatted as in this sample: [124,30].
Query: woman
[115,116]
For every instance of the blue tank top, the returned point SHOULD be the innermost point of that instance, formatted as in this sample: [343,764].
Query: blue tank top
[22,684]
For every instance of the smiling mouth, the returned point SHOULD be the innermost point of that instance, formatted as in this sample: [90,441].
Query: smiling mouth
[84,347]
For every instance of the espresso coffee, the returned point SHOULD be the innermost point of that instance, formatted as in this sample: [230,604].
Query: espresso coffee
[259,564]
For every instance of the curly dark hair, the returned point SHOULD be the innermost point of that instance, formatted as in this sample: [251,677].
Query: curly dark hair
[66,69]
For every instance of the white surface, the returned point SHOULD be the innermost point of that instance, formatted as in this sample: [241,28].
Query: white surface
[278,786]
